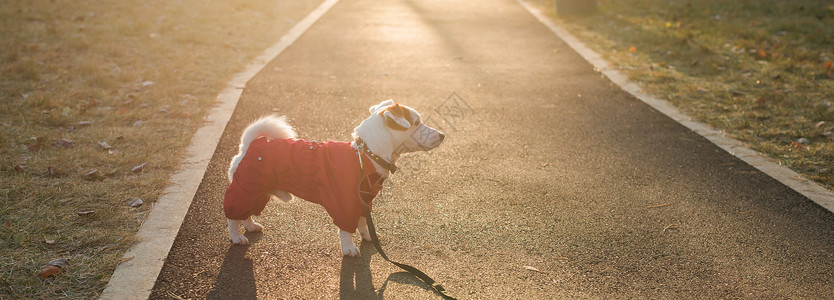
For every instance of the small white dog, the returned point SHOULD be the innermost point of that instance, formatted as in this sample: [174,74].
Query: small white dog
[343,177]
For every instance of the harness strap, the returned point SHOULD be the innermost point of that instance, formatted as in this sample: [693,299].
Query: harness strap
[366,198]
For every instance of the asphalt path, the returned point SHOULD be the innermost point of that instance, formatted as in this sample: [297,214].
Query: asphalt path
[552,182]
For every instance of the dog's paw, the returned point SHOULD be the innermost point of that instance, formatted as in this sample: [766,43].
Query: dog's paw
[239,239]
[252,226]
[350,250]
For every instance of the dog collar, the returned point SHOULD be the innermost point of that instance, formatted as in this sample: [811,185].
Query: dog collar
[379,160]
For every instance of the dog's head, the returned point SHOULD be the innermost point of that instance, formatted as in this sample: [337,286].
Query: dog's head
[395,129]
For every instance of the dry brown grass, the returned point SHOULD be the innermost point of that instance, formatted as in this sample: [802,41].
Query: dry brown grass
[136,75]
[759,70]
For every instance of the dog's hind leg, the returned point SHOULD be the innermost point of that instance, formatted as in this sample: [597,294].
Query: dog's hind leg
[251,225]
[283,195]
[363,229]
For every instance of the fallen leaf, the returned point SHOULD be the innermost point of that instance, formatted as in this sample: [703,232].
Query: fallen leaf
[797,146]
[187,99]
[632,49]
[85,212]
[90,103]
[670,227]
[104,145]
[828,65]
[19,168]
[138,168]
[93,175]
[760,102]
[534,269]
[49,271]
[53,268]
[63,143]
[61,263]
[36,146]
[135,202]
[762,53]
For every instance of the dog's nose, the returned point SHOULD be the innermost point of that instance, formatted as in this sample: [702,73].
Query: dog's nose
[442,136]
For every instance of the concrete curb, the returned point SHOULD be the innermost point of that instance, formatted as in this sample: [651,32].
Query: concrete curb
[769,166]
[135,276]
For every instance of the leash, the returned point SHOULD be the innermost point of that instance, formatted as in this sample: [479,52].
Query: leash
[375,239]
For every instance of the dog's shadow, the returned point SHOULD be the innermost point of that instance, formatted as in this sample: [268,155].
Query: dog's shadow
[237,275]
[356,280]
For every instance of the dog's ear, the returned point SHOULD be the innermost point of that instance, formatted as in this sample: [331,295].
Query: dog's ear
[379,106]
[396,118]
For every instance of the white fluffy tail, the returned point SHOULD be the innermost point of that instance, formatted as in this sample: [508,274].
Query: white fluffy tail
[271,126]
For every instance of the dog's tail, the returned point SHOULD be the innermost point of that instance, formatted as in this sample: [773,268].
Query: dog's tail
[271,126]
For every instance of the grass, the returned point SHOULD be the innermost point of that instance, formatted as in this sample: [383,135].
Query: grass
[758,70]
[136,76]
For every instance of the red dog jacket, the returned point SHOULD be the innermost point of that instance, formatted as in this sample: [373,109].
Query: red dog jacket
[325,173]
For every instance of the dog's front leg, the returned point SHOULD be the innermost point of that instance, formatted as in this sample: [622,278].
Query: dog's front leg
[348,248]
[234,233]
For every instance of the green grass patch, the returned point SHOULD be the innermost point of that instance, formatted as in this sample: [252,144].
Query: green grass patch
[758,70]
[136,76]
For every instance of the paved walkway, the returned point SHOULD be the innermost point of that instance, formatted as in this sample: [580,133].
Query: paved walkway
[552,182]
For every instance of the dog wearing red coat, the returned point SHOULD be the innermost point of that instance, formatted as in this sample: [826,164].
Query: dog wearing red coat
[343,177]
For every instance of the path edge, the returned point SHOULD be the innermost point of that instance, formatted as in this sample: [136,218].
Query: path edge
[135,276]
[773,168]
